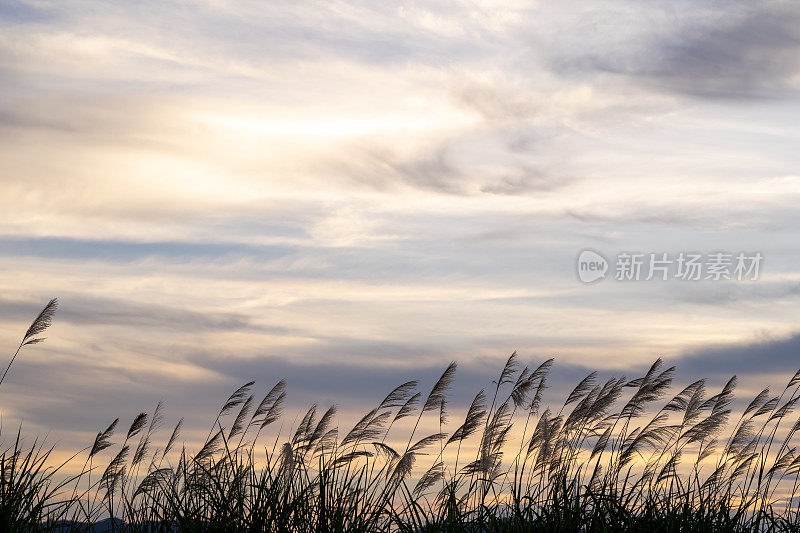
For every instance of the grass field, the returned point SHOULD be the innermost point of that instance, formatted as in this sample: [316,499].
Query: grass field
[618,455]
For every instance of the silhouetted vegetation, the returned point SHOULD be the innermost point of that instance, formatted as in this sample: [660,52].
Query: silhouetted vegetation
[617,455]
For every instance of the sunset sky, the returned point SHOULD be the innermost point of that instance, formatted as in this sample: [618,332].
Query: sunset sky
[349,195]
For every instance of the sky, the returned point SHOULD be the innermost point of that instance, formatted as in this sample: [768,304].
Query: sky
[349,195]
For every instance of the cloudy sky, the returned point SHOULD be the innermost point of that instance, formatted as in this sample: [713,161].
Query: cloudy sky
[353,194]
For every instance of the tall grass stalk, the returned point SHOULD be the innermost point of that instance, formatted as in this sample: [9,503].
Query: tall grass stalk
[614,455]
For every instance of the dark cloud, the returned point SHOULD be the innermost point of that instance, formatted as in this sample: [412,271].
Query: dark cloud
[739,53]
[527,180]
[16,12]
[87,311]
[77,384]
[84,311]
[356,386]
[84,396]
[719,213]
[499,102]
[736,293]
[433,171]
[13,120]
[438,171]
[765,356]
[384,169]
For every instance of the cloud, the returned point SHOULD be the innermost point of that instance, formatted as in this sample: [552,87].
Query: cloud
[739,294]
[527,180]
[94,395]
[452,166]
[350,195]
[722,203]
[383,168]
[740,51]
[86,311]
[500,100]
[130,251]
[759,357]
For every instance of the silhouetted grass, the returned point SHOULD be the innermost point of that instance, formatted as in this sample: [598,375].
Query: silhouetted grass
[619,455]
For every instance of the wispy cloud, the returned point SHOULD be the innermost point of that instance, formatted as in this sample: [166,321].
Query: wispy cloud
[330,191]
